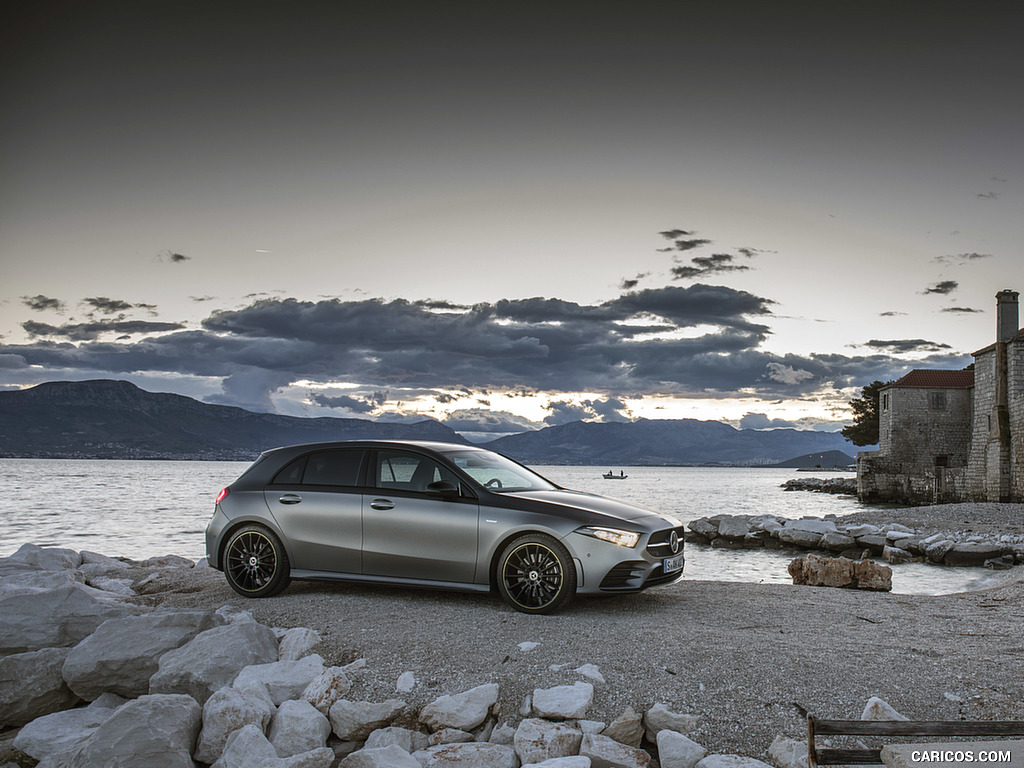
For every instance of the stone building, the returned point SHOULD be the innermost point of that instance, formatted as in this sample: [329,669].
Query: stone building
[948,436]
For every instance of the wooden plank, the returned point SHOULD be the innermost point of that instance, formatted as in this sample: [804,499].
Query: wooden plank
[849,757]
[918,727]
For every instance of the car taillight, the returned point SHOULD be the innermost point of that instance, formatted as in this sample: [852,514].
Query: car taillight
[222,495]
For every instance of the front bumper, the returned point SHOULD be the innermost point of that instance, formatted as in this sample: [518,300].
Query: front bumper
[610,569]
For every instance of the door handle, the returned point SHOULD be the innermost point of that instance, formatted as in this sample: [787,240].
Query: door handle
[382,504]
[290,498]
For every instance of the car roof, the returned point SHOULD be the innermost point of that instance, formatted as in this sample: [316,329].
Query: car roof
[430,445]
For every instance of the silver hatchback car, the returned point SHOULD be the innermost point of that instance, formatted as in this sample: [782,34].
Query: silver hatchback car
[432,515]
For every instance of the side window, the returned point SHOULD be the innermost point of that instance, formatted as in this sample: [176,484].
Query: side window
[291,474]
[333,468]
[409,472]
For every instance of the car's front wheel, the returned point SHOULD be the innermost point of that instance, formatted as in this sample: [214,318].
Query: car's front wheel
[255,562]
[536,574]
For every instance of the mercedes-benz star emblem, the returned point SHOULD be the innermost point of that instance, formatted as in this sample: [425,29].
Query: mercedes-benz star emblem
[673,542]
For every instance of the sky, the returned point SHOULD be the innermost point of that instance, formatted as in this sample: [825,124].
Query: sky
[507,216]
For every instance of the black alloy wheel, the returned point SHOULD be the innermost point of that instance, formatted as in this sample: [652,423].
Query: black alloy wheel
[536,574]
[255,562]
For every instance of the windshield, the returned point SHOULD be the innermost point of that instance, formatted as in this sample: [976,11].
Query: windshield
[496,473]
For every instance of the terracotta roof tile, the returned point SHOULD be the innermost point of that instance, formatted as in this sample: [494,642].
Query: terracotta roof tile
[937,379]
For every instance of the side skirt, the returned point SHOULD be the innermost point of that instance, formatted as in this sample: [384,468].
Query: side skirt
[454,586]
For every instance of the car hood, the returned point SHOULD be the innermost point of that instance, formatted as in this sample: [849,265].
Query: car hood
[601,505]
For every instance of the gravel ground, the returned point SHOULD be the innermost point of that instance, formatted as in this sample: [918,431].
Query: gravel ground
[749,659]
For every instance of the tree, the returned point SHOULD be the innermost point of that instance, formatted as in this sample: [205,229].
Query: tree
[864,430]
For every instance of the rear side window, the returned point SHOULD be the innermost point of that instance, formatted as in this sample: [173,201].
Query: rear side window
[324,468]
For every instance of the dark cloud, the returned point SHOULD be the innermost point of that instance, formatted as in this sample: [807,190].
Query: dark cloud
[892,313]
[961,258]
[943,288]
[675,234]
[597,409]
[93,330]
[689,245]
[172,257]
[107,306]
[708,265]
[988,195]
[200,299]
[963,310]
[353,404]
[42,303]
[903,346]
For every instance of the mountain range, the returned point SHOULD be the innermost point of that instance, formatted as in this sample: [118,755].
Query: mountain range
[117,420]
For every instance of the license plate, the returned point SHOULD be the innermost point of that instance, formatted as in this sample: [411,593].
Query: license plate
[672,564]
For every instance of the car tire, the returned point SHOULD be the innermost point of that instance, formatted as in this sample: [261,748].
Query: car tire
[536,574]
[255,563]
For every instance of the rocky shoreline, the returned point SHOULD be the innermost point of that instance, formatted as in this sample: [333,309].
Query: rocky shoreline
[929,538]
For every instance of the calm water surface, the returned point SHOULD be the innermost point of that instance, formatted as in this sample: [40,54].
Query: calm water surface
[144,508]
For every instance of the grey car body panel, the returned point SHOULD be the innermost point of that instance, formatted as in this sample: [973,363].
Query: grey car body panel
[424,540]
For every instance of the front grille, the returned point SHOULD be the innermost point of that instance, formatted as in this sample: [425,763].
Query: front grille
[659,547]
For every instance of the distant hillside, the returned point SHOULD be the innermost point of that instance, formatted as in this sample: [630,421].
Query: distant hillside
[823,459]
[116,419]
[648,442]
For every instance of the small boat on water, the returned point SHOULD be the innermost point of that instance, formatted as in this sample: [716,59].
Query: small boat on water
[609,475]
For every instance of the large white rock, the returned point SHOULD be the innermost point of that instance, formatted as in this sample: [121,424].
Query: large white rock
[730,761]
[539,740]
[123,654]
[227,711]
[284,679]
[879,709]
[60,732]
[391,756]
[627,728]
[355,720]
[148,732]
[297,642]
[212,659]
[248,748]
[464,711]
[678,751]
[608,753]
[47,558]
[579,761]
[563,702]
[31,686]
[410,741]
[51,618]
[788,753]
[660,718]
[329,686]
[473,755]
[298,727]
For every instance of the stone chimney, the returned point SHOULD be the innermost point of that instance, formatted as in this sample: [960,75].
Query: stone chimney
[1006,315]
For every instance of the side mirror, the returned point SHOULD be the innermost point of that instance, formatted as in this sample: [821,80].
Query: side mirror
[444,489]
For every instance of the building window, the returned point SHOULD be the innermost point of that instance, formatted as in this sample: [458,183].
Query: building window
[937,401]
[885,402]
[942,461]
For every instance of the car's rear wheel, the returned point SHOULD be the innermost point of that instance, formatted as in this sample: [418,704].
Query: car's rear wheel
[536,574]
[255,562]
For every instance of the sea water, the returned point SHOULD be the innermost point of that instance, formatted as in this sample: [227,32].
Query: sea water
[140,509]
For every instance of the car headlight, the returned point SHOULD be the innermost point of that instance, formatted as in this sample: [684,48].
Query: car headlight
[612,535]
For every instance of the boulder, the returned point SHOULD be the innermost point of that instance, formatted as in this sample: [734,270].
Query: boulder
[450,736]
[880,709]
[325,689]
[212,659]
[678,751]
[816,571]
[539,740]
[406,682]
[298,727]
[464,711]
[731,761]
[801,534]
[856,531]
[47,558]
[248,748]
[704,528]
[836,541]
[149,732]
[356,720]
[936,551]
[410,741]
[788,753]
[734,527]
[284,679]
[227,711]
[579,761]
[895,555]
[563,702]
[608,753]
[51,618]
[297,642]
[870,575]
[59,733]
[660,718]
[876,543]
[474,755]
[627,728]
[972,553]
[123,654]
[31,686]
[390,756]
